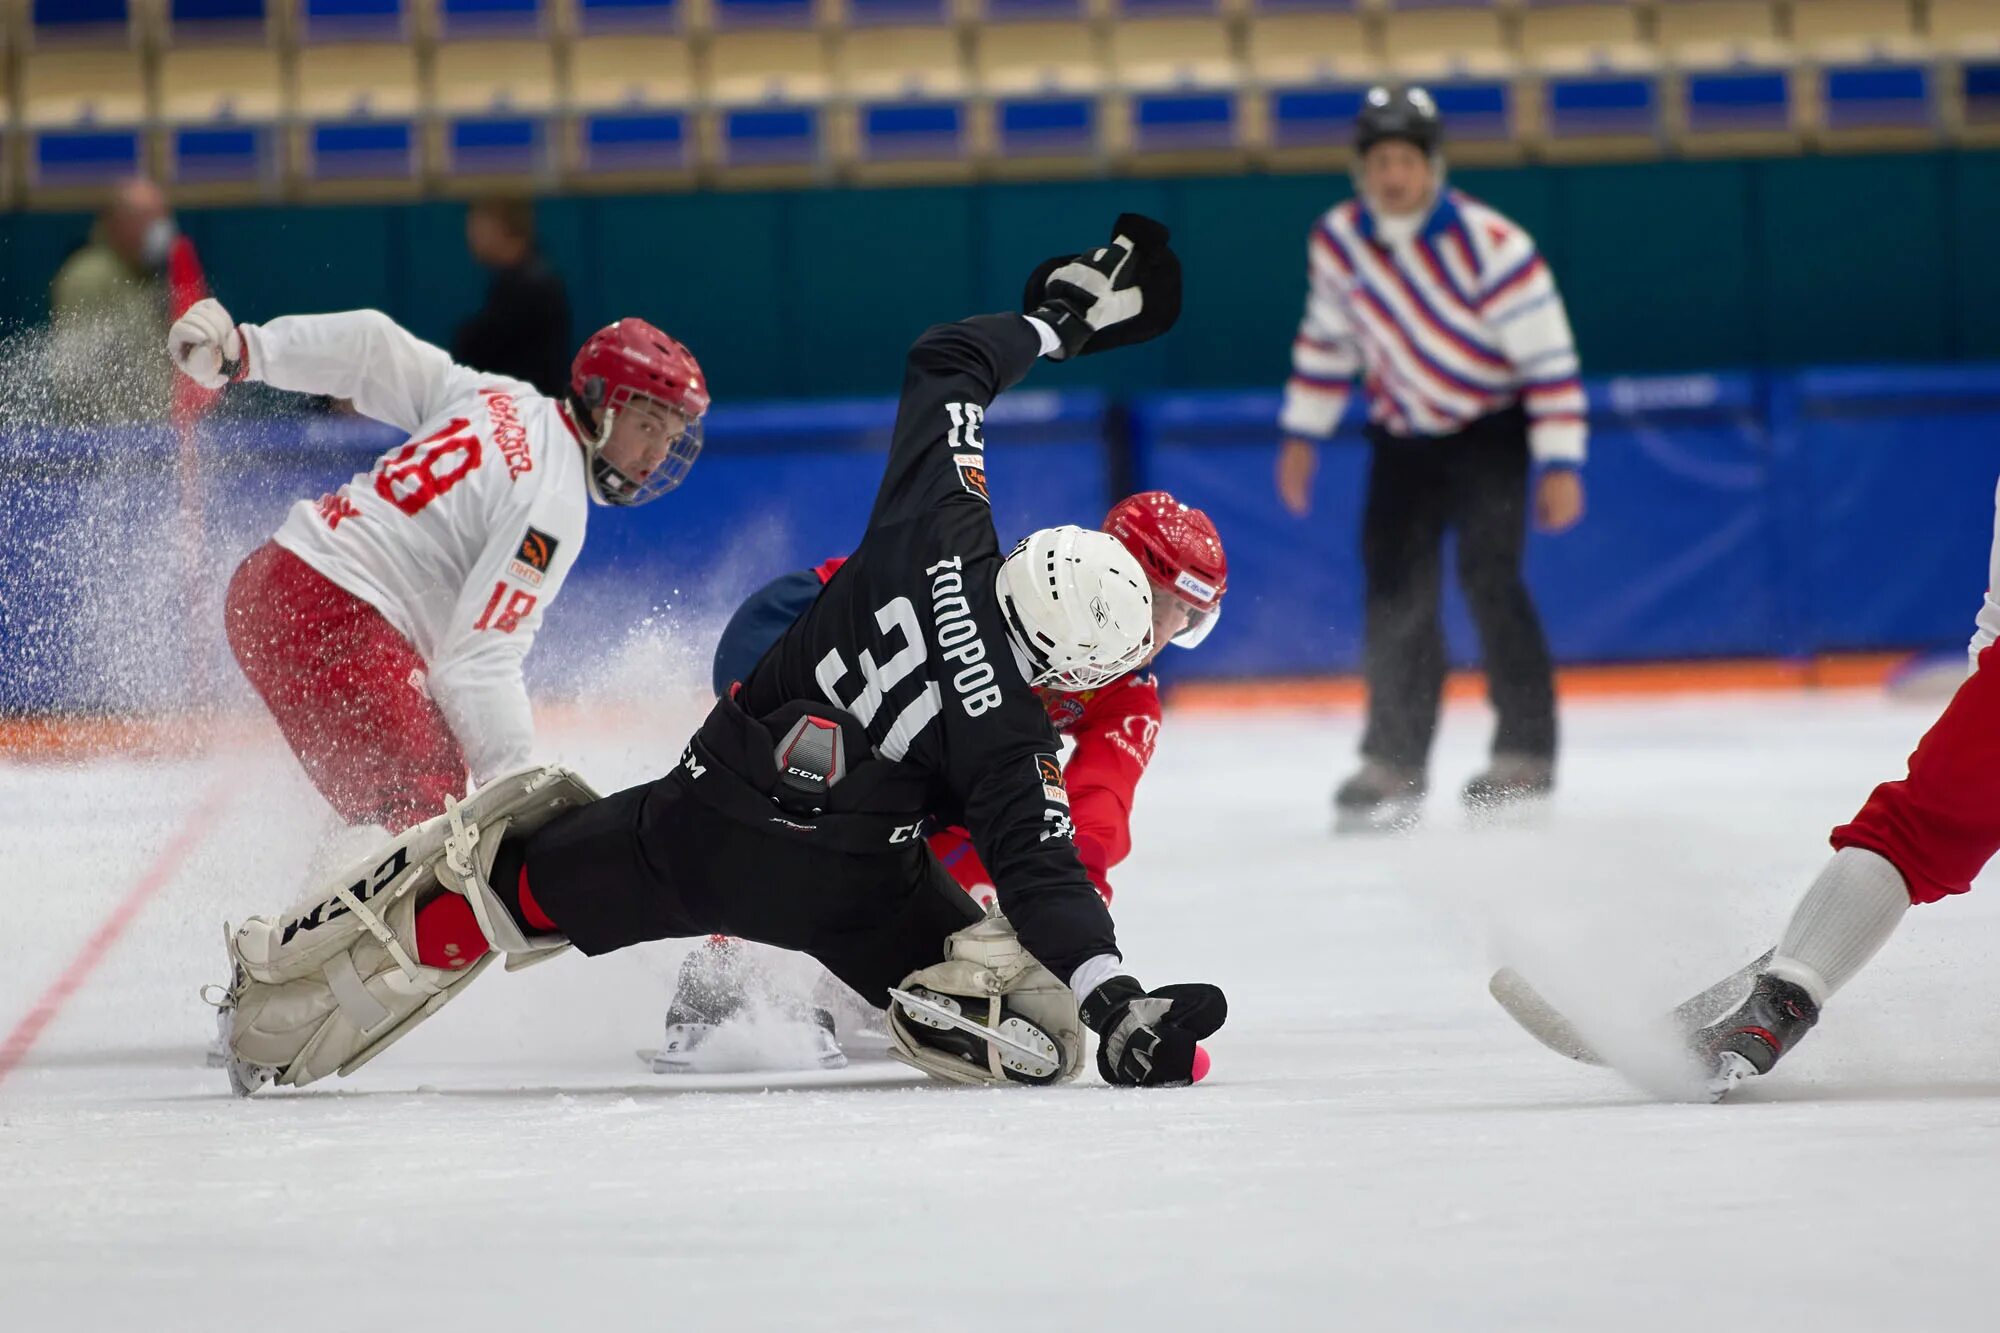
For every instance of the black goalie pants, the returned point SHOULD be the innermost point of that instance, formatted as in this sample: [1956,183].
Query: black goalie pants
[1475,484]
[654,862]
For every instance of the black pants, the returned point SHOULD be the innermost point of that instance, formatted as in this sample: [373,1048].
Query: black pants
[1476,484]
[654,862]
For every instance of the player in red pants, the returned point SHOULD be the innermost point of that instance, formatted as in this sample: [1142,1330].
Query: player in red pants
[1916,840]
[1113,730]
[384,625]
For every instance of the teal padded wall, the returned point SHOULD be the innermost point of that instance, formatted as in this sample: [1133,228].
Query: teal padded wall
[1665,265]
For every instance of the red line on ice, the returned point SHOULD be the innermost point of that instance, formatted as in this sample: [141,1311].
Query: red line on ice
[164,867]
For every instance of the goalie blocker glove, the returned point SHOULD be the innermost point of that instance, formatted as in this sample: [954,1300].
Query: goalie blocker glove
[1119,294]
[1146,1039]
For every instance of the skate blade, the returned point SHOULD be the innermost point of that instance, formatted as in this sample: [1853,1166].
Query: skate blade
[1012,1038]
[1730,1069]
[766,1049]
[1388,817]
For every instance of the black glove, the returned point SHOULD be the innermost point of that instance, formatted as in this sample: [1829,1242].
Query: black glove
[1122,293]
[1146,1039]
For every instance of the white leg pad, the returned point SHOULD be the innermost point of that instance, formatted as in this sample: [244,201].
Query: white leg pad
[332,983]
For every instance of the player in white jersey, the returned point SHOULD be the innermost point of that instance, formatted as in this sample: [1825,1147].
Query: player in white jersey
[385,623]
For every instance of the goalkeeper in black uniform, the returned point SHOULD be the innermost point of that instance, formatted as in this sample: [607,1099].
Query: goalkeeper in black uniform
[797,813]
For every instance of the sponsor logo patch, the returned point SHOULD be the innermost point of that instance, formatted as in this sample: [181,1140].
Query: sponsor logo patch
[972,474]
[1194,587]
[1049,769]
[533,557]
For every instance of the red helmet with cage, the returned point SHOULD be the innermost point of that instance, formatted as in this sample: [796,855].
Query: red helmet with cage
[1180,551]
[632,359]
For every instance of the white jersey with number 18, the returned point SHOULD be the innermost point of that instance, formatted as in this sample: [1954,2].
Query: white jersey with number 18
[460,537]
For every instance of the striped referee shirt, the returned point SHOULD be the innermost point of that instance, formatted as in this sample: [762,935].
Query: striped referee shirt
[1459,320]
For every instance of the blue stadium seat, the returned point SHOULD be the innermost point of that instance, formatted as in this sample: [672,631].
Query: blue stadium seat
[1982,92]
[928,131]
[354,20]
[764,13]
[655,140]
[1294,6]
[599,16]
[1139,9]
[1587,105]
[1046,126]
[1877,95]
[631,94]
[757,136]
[1732,100]
[1179,121]
[218,20]
[1010,11]
[220,107]
[492,18]
[869,13]
[1477,110]
[82,113]
[358,107]
[495,100]
[366,149]
[82,20]
[1314,117]
[84,157]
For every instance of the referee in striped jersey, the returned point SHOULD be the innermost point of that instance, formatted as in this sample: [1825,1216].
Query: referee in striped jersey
[1446,312]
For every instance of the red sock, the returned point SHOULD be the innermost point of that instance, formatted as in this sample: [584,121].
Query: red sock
[532,915]
[448,935]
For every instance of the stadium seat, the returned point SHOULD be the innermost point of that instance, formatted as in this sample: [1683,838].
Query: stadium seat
[877,13]
[357,110]
[602,16]
[220,107]
[908,86]
[1290,48]
[1181,78]
[1314,68]
[1316,6]
[495,100]
[354,20]
[469,19]
[770,88]
[1717,33]
[102,22]
[238,21]
[83,112]
[1854,29]
[632,96]
[1604,105]
[1432,43]
[1044,79]
[1982,94]
[1570,37]
[1125,10]
[1965,27]
[1476,111]
[765,13]
[1032,11]
[1879,94]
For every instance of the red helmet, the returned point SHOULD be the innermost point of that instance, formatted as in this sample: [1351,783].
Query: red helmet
[1180,551]
[631,359]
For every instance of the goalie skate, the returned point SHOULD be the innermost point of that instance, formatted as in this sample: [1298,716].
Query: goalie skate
[1025,1052]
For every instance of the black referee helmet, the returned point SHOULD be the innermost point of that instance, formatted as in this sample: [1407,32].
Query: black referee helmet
[1398,111]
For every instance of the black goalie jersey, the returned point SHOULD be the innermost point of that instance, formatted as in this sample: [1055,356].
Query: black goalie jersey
[909,638]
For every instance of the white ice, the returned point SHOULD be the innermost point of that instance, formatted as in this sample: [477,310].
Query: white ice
[1376,1149]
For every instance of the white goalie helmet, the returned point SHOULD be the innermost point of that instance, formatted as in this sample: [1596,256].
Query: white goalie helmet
[1078,606]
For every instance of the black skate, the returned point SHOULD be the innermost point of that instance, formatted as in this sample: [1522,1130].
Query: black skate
[1380,798]
[1752,1038]
[1510,781]
[715,989]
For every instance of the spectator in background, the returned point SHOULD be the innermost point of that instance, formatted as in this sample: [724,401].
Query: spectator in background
[1446,311]
[523,329]
[109,312]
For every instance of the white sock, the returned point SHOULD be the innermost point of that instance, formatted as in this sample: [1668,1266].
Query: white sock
[1849,912]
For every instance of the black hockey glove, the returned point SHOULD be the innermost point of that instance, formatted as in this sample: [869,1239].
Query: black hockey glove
[1122,293]
[1146,1039]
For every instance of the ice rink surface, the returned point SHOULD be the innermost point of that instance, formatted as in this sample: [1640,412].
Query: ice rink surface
[1377,1147]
